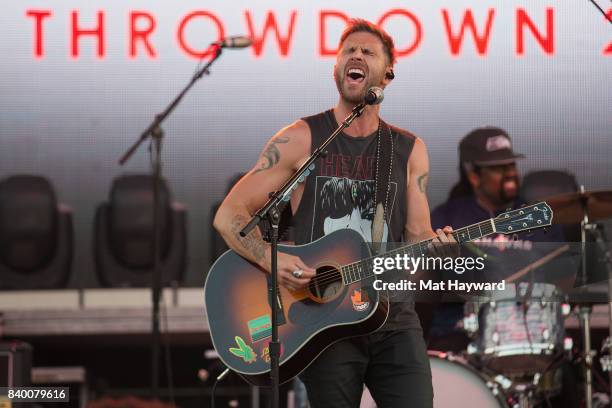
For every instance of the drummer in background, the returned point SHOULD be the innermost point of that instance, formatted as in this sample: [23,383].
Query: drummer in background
[489,185]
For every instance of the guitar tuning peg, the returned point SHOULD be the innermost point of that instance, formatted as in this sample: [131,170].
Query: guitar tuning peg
[301,178]
[311,167]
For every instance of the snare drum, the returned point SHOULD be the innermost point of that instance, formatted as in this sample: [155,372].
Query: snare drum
[520,331]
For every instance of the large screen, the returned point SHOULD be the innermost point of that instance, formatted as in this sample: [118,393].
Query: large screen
[80,80]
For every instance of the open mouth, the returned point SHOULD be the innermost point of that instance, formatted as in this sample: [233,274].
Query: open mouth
[355,74]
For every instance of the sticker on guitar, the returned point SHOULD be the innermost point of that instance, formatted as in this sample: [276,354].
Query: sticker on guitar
[265,353]
[260,328]
[360,300]
[243,351]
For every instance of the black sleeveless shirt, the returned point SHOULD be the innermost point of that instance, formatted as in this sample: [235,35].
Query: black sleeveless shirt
[340,193]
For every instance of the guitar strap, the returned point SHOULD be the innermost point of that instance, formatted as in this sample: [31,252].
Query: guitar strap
[384,168]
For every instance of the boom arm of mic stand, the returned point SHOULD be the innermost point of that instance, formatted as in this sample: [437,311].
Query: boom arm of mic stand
[160,117]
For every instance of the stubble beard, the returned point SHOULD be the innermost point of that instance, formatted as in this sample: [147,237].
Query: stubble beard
[354,98]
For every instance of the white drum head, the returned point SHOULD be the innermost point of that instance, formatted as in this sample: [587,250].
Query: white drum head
[457,386]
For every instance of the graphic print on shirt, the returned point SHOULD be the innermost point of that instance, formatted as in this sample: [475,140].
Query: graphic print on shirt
[346,203]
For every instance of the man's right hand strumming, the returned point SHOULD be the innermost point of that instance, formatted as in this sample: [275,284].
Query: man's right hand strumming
[293,273]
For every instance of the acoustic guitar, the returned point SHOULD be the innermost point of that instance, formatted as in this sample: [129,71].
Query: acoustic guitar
[339,302]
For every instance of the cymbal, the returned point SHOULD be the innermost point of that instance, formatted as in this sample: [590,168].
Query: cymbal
[568,208]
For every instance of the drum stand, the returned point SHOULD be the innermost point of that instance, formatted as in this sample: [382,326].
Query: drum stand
[606,360]
[608,262]
[584,315]
[585,309]
[524,395]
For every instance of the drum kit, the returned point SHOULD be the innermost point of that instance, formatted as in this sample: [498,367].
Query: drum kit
[519,347]
[518,334]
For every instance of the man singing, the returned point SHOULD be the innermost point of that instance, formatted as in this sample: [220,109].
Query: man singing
[342,193]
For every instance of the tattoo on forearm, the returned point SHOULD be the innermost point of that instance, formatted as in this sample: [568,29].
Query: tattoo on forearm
[422,182]
[272,155]
[252,242]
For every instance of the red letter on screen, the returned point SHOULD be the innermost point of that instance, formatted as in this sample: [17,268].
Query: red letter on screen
[546,42]
[325,51]
[608,49]
[143,33]
[284,43]
[180,34]
[403,52]
[455,41]
[78,32]
[39,16]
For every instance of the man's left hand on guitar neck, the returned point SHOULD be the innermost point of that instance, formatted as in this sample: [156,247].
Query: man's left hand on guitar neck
[444,244]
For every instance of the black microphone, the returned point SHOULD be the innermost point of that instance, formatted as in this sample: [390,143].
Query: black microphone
[236,41]
[374,96]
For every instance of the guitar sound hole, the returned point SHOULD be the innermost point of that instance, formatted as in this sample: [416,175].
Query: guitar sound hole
[327,284]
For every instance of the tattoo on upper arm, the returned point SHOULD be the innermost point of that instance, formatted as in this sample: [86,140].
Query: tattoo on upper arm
[252,242]
[422,182]
[272,155]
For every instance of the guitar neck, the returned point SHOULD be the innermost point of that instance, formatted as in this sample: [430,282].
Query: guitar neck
[363,269]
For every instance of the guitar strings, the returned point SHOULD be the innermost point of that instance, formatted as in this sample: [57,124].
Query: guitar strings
[332,276]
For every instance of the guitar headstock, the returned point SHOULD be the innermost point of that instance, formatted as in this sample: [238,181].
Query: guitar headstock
[523,219]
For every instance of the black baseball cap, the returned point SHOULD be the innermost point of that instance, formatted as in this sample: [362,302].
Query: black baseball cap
[487,146]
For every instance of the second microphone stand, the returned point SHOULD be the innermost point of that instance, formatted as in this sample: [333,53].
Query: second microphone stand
[271,212]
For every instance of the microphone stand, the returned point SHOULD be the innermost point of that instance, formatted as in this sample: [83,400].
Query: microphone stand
[155,132]
[271,212]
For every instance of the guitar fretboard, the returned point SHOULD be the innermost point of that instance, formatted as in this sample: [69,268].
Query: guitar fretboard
[363,269]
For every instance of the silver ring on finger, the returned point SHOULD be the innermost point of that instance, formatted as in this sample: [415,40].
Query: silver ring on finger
[297,273]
